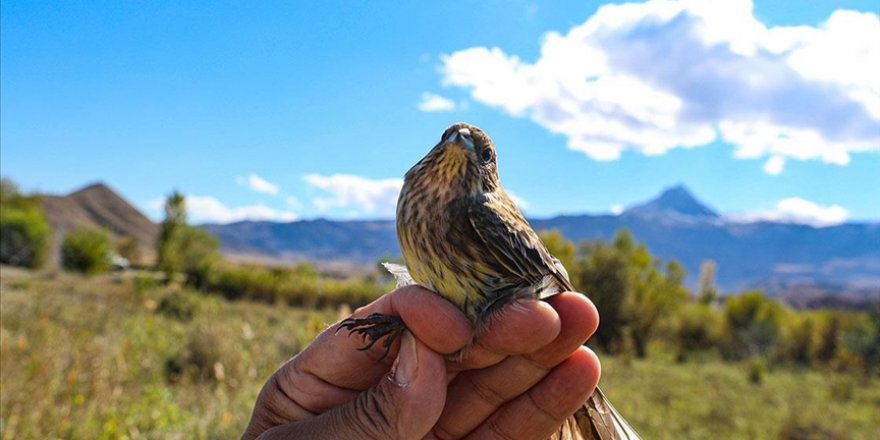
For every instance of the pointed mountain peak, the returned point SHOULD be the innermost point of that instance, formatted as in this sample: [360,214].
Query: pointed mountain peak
[96,187]
[676,201]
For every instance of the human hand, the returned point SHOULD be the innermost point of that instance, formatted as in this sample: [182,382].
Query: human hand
[521,376]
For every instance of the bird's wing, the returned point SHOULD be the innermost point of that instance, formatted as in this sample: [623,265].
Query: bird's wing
[515,245]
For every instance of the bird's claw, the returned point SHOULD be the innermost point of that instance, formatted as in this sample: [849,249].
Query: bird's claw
[375,327]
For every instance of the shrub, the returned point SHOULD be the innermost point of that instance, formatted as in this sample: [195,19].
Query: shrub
[177,306]
[696,329]
[752,324]
[797,339]
[825,347]
[86,251]
[860,345]
[24,235]
[757,371]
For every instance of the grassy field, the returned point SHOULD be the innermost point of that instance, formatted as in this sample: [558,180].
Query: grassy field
[118,356]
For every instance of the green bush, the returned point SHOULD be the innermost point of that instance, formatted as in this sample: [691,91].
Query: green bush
[826,341]
[86,251]
[24,235]
[177,306]
[300,285]
[757,371]
[752,324]
[696,329]
[797,339]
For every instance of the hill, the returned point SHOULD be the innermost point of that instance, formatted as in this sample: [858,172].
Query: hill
[767,255]
[98,206]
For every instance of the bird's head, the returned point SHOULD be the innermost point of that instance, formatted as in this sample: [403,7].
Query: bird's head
[463,161]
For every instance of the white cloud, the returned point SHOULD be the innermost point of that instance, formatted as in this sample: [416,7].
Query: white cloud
[521,203]
[435,103]
[258,184]
[617,209]
[361,194]
[663,74]
[774,165]
[797,210]
[207,209]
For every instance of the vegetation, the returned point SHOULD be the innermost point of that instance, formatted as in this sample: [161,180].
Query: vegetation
[140,355]
[641,304]
[87,251]
[25,234]
[128,248]
[184,248]
[125,356]
[300,285]
[627,285]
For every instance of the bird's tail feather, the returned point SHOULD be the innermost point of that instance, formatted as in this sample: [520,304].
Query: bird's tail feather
[596,420]
[401,274]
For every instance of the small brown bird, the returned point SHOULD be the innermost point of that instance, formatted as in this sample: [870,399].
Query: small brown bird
[463,237]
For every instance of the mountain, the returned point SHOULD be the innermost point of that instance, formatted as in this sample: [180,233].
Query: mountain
[97,206]
[360,241]
[776,257]
[801,263]
[673,202]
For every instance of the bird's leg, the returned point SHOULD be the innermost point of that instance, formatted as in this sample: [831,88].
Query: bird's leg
[375,327]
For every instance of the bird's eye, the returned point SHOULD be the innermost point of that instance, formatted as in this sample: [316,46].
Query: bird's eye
[486,155]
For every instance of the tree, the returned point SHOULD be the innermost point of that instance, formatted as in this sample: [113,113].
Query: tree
[9,191]
[653,295]
[25,234]
[86,250]
[175,220]
[708,291]
[752,323]
[197,252]
[184,248]
[602,274]
[629,289]
[828,335]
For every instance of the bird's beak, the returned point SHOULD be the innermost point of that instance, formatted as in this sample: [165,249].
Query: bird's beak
[462,137]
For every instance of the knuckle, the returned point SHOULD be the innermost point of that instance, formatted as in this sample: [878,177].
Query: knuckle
[543,410]
[498,431]
[441,433]
[488,394]
[371,415]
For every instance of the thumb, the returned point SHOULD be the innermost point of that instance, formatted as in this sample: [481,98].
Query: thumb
[405,404]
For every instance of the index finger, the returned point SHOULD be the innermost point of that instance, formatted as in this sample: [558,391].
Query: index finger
[336,358]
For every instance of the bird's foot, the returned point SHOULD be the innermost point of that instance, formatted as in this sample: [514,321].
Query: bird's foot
[375,327]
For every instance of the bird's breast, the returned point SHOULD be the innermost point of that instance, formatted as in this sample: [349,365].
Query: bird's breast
[441,251]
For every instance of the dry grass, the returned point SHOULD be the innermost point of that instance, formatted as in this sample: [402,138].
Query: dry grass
[122,357]
[97,358]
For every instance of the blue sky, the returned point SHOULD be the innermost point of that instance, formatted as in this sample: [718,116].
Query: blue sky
[286,110]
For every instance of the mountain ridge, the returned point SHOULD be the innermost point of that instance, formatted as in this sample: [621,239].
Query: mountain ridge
[772,256]
[763,255]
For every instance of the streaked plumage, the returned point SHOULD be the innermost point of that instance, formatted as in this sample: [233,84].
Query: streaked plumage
[463,237]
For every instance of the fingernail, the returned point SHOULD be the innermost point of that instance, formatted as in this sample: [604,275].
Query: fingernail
[407,363]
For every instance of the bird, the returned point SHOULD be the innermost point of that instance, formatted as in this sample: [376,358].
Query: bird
[462,236]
